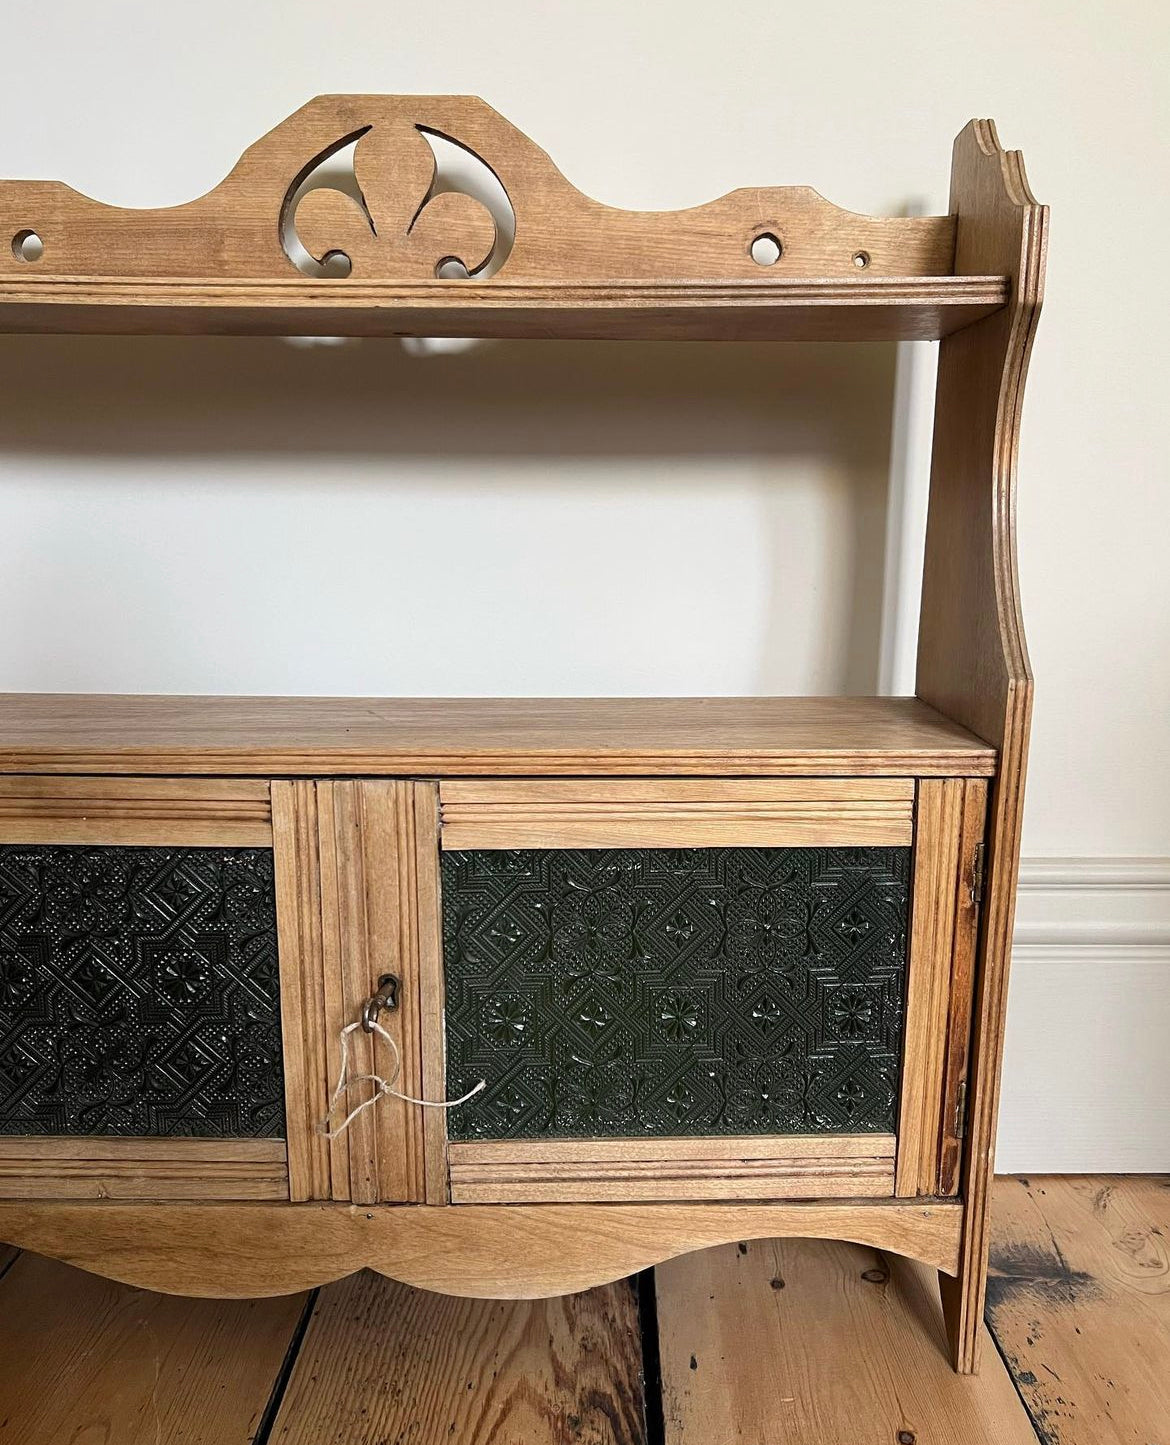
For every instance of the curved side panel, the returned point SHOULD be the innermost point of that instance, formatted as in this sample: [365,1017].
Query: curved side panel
[395,218]
[972,656]
[477,1251]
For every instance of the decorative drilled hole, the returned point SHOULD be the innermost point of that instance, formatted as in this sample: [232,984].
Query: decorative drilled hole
[861,259]
[766,249]
[27,246]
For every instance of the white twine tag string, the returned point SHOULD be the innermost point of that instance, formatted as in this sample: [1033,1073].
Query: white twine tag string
[382,1087]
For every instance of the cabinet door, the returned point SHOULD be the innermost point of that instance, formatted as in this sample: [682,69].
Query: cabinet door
[694,989]
[140,991]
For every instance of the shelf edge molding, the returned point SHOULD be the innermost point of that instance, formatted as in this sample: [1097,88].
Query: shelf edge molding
[380,214]
[468,737]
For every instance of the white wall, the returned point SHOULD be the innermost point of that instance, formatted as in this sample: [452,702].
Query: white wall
[247,516]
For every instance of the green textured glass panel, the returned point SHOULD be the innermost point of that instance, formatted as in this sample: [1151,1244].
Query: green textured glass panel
[139,992]
[652,992]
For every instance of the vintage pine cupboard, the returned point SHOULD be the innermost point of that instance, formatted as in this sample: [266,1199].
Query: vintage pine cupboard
[717,968]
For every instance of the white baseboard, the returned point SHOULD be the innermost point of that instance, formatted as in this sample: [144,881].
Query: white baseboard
[1087,1074]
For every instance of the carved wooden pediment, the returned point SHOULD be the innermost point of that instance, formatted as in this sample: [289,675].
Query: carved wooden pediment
[397,219]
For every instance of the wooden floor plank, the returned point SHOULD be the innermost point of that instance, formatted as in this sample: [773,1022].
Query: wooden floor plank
[821,1344]
[762,1344]
[85,1360]
[1079,1302]
[382,1362]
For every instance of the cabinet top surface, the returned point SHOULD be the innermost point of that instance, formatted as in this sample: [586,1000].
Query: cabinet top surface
[328,736]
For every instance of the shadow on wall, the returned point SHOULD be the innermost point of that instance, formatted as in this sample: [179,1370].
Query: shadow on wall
[773,409]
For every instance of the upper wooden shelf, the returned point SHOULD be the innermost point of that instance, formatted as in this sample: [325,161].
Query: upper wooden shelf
[272,736]
[881,309]
[766,263]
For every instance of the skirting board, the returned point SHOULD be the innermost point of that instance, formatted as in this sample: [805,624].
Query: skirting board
[1087,1074]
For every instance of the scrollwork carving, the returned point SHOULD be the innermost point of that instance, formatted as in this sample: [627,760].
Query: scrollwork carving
[407,222]
[402,224]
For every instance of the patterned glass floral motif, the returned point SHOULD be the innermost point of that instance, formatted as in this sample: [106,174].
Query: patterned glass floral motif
[139,992]
[628,992]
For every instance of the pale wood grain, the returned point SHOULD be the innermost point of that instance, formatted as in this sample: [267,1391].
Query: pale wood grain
[456,793]
[972,656]
[155,1169]
[671,1180]
[508,1251]
[678,814]
[110,1147]
[938,833]
[151,1179]
[88,1361]
[603,1151]
[591,1171]
[760,1342]
[877,309]
[304,1023]
[958,1029]
[369,902]
[432,985]
[833,825]
[401,1132]
[233,233]
[319,737]
[574,267]
[350,979]
[1079,1303]
[825,1343]
[381,1362]
[337,1005]
[159,812]
[83,794]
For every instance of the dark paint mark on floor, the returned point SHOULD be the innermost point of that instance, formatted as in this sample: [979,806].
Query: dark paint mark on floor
[1018,1268]
[1039,1417]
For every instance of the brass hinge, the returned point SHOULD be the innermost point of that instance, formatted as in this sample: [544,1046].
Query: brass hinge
[961,1110]
[977,868]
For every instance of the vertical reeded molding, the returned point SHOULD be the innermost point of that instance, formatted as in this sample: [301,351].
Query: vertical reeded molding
[302,985]
[357,894]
